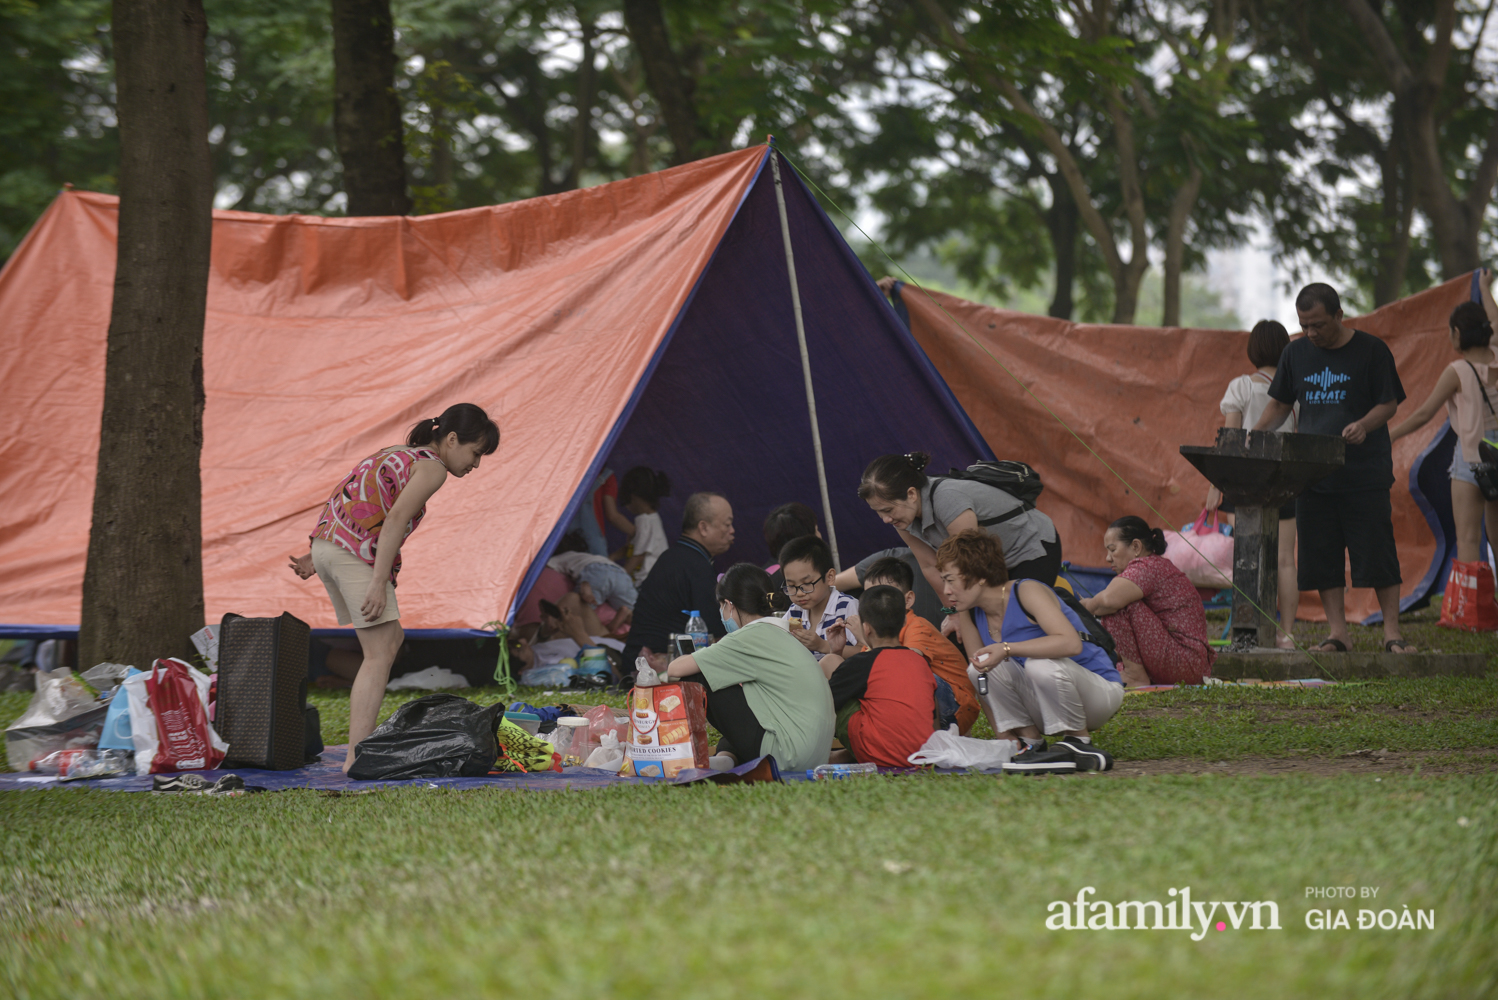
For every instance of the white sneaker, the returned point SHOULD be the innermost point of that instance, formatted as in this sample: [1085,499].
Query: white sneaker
[722,762]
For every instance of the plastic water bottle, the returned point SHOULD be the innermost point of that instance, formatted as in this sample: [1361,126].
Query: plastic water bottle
[697,629]
[825,771]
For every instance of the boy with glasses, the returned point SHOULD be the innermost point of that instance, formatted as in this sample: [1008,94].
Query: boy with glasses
[819,611]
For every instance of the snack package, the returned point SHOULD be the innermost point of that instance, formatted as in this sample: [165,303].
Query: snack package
[667,730]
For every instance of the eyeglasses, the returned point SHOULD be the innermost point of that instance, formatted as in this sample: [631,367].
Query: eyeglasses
[797,589]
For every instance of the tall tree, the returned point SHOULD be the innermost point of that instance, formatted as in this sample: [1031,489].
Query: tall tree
[57,125]
[1000,75]
[672,86]
[367,109]
[143,584]
[1429,80]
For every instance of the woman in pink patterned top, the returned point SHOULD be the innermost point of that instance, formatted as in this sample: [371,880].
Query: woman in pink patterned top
[383,500]
[1151,610]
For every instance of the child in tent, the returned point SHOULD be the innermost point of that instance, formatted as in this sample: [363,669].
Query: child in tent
[356,545]
[920,635]
[819,612]
[885,697]
[602,584]
[641,490]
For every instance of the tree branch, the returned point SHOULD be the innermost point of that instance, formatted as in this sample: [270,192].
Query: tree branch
[1066,163]
[1440,50]
[1480,193]
[1385,53]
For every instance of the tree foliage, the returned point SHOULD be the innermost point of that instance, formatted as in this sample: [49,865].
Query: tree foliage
[1056,146]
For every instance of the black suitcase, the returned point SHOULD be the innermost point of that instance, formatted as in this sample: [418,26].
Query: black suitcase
[262,692]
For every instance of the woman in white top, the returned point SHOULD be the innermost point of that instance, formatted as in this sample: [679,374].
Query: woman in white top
[1242,406]
[1468,389]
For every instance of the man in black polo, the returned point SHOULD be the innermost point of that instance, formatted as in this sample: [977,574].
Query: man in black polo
[1346,384]
[683,579]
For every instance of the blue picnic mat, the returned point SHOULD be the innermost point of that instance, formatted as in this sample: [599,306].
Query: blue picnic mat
[327,775]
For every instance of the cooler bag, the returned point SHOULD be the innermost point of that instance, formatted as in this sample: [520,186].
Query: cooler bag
[262,691]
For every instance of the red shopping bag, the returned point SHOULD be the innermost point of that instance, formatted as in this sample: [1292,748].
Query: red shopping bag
[1468,603]
[186,742]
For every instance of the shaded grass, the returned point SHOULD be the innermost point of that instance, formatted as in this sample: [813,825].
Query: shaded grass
[902,887]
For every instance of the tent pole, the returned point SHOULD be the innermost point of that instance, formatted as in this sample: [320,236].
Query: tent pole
[811,399]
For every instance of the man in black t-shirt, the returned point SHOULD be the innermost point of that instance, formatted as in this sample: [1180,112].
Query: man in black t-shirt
[1346,385]
[683,579]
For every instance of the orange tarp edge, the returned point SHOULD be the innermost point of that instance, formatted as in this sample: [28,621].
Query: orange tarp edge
[1135,394]
[326,339]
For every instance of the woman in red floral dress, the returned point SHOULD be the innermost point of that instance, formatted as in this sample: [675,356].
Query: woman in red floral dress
[1152,611]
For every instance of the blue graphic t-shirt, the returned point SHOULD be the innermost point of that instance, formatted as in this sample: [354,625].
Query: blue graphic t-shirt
[1334,388]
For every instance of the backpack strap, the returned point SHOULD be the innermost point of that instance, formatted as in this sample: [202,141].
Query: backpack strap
[1482,389]
[987,522]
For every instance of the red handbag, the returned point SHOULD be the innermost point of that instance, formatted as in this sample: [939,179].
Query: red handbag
[1468,603]
[186,740]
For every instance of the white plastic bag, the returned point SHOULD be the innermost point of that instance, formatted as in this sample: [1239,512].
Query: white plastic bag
[609,756]
[143,724]
[433,678]
[62,715]
[645,675]
[946,749]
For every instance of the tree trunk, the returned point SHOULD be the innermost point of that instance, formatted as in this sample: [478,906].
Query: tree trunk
[1397,211]
[367,110]
[1061,221]
[1455,220]
[1181,207]
[143,583]
[668,82]
[584,98]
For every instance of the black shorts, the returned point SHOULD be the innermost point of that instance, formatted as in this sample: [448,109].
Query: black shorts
[1359,523]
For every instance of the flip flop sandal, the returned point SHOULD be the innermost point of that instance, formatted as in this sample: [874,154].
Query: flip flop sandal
[1338,646]
[1404,647]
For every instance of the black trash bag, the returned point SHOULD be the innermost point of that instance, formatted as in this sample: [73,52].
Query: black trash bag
[439,736]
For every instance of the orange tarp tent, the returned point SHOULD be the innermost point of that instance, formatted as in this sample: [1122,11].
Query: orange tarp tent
[1135,394]
[643,321]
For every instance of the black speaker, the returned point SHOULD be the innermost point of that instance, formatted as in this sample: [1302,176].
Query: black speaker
[262,692]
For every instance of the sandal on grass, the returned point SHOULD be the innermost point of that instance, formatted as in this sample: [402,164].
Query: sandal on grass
[1404,647]
[1330,645]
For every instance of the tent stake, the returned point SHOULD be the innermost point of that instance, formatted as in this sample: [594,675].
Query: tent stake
[811,399]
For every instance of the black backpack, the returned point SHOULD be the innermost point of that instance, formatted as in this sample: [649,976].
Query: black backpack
[1015,478]
[1096,633]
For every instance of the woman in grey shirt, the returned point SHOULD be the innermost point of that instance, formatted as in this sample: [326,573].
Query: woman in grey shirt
[925,511]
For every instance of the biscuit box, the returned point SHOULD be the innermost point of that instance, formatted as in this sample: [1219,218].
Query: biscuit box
[667,730]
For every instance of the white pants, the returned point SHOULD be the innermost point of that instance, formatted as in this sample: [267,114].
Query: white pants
[1055,696]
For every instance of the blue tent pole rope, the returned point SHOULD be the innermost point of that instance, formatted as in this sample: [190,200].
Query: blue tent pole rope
[811,399]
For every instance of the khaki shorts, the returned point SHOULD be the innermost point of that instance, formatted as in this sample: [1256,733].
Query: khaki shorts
[346,578]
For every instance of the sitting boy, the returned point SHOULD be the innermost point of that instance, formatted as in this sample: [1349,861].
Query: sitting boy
[819,613]
[885,697]
[920,635]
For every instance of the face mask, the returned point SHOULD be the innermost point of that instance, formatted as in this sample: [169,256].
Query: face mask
[729,625]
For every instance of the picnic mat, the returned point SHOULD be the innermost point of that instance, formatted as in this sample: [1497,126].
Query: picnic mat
[1309,682]
[327,775]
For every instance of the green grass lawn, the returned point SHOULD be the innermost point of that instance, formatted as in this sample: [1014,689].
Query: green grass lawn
[921,886]
[917,886]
